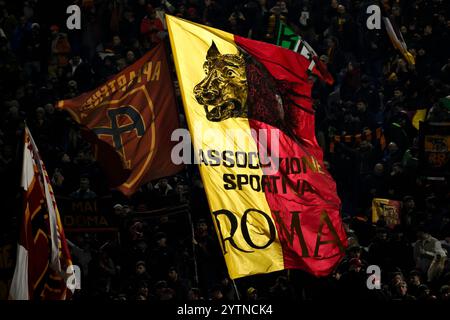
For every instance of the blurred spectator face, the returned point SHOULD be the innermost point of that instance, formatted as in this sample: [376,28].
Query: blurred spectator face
[54,29]
[73,85]
[232,20]
[334,4]
[378,169]
[216,294]
[162,291]
[341,9]
[29,90]
[23,21]
[225,282]
[355,253]
[173,275]
[118,209]
[396,169]
[404,30]
[398,93]
[202,227]
[355,265]
[14,112]
[324,59]
[361,106]
[35,28]
[193,294]
[163,183]
[121,64]
[382,235]
[402,288]
[135,44]
[428,30]
[192,13]
[130,57]
[396,11]
[397,280]
[364,146]
[445,293]
[350,66]
[181,9]
[49,108]
[128,15]
[409,204]
[40,113]
[421,235]
[430,202]
[84,184]
[107,62]
[140,269]
[116,41]
[127,209]
[65,158]
[392,147]
[414,280]
[180,189]
[143,291]
[282,5]
[162,242]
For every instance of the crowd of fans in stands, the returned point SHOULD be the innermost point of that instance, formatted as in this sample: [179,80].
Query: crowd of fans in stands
[41,62]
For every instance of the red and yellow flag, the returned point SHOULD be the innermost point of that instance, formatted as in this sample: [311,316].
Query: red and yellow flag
[129,120]
[249,109]
[43,263]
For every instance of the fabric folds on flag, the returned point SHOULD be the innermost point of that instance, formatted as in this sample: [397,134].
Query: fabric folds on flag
[43,258]
[129,121]
[272,210]
[288,39]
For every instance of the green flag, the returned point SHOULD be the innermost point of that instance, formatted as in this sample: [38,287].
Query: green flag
[287,38]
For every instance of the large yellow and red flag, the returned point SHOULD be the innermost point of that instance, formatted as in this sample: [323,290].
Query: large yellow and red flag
[43,262]
[249,109]
[129,121]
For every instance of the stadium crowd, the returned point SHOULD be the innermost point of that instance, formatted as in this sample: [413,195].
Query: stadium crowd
[41,62]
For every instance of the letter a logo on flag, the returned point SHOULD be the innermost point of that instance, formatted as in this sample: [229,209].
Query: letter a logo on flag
[129,120]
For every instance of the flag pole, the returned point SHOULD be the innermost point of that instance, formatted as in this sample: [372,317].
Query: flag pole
[236,290]
[193,247]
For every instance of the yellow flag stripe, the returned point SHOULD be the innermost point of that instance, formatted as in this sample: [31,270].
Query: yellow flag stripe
[190,43]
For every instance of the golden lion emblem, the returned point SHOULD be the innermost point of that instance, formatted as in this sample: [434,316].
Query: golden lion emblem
[223,92]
